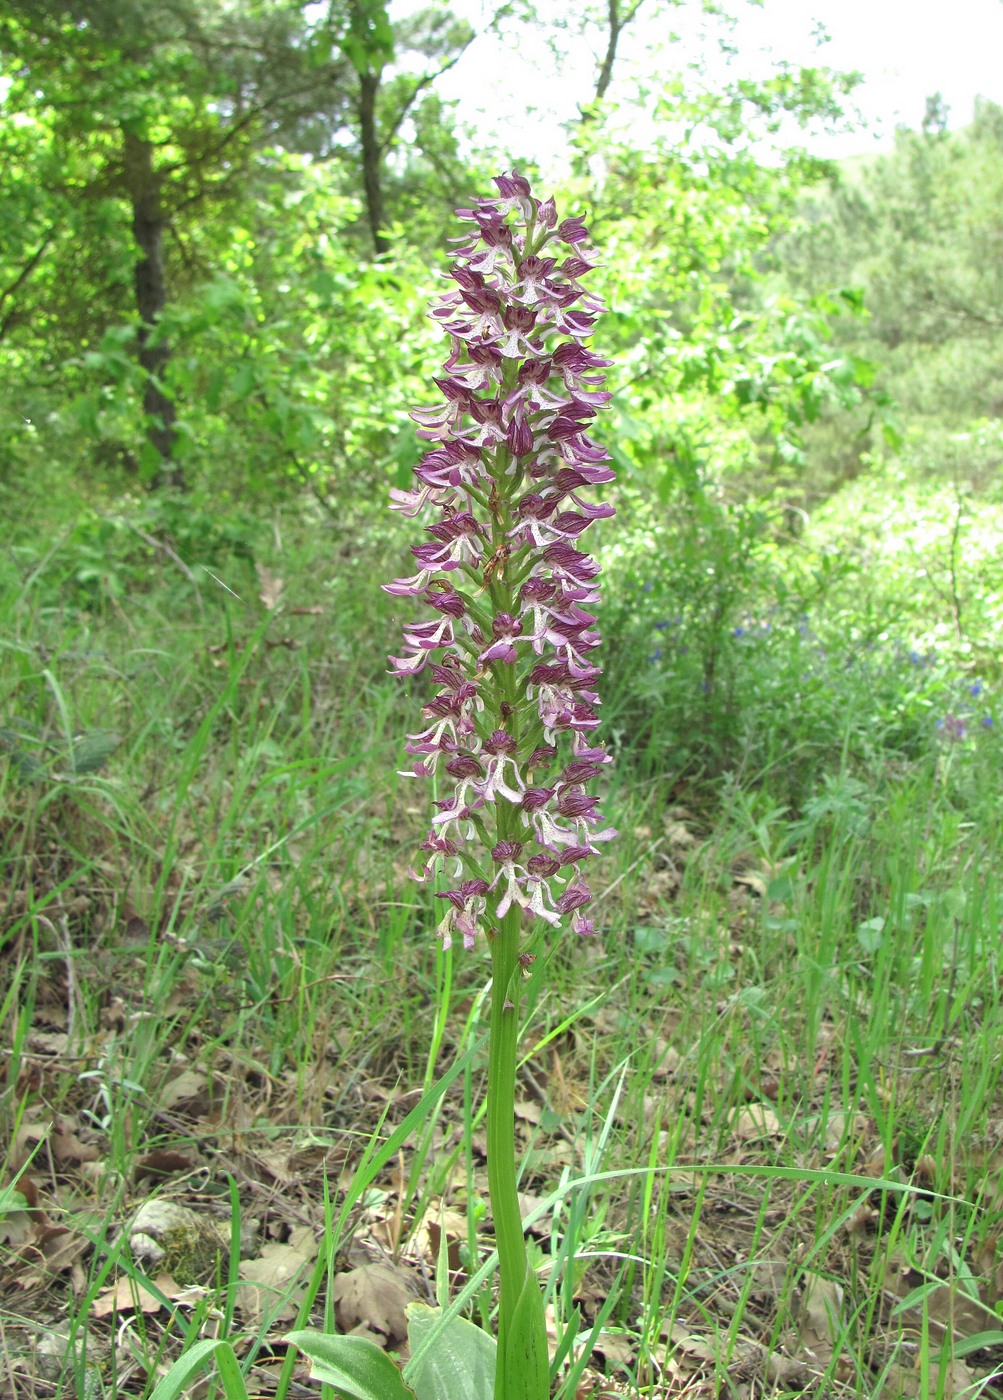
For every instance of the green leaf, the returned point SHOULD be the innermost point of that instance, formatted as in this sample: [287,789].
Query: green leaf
[966,1345]
[355,1366]
[25,764]
[870,934]
[864,371]
[177,1379]
[650,940]
[461,1363]
[892,436]
[27,767]
[90,751]
[526,1361]
[243,380]
[622,460]
[150,461]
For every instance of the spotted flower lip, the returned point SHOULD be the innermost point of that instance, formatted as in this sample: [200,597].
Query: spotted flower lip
[506,478]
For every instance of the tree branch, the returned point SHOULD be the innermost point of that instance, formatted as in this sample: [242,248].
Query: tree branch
[618,21]
[12,289]
[963,311]
[420,85]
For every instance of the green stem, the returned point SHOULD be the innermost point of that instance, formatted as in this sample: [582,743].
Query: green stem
[522,1370]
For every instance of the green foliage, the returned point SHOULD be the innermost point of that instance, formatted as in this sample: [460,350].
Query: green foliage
[457,1362]
[258,782]
[368,42]
[210,1353]
[451,1359]
[721,371]
[919,233]
[171,264]
[103,559]
[33,757]
[299,361]
[738,645]
[767,693]
[355,1366]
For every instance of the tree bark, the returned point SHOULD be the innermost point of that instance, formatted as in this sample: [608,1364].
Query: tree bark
[372,159]
[617,20]
[148,223]
[606,71]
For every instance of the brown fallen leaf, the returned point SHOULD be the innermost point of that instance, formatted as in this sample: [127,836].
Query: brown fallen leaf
[67,1148]
[48,1251]
[529,1204]
[374,1296]
[665,1059]
[59,1246]
[25,1184]
[753,880]
[786,1371]
[947,1309]
[756,1121]
[126,1295]
[269,587]
[691,1345]
[616,1347]
[17,1231]
[441,1225]
[273,1284]
[276,1163]
[950,1380]
[162,1162]
[678,834]
[185,1087]
[820,1317]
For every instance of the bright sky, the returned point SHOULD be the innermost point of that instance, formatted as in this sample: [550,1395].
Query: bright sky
[906,51]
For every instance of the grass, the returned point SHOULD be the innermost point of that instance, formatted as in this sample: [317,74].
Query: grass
[760,1116]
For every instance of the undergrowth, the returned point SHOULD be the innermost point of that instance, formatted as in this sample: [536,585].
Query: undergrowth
[760,1114]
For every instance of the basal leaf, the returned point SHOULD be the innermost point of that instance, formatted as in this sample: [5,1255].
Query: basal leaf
[355,1366]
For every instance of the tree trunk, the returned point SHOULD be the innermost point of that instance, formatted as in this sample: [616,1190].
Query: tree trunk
[148,222]
[369,85]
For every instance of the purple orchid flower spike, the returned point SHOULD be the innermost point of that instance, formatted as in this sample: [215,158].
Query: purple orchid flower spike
[511,638]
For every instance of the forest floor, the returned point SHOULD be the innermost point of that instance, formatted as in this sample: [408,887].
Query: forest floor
[244,1084]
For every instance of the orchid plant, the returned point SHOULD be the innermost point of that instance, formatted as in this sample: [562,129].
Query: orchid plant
[512,727]
[510,647]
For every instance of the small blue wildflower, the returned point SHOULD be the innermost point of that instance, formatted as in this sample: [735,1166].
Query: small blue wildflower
[975,688]
[915,658]
[661,626]
[952,725]
[987,722]
[647,587]
[738,632]
[656,655]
